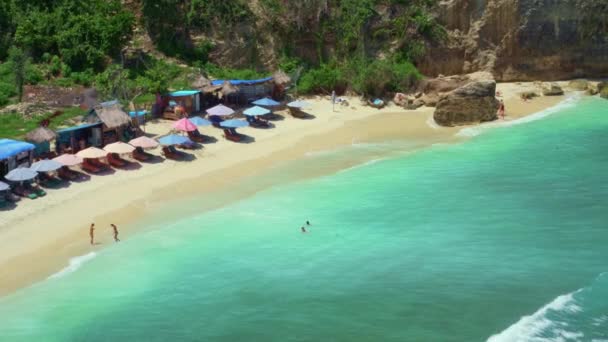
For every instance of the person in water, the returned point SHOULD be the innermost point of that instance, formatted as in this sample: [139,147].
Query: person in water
[92,233]
[116,239]
[303,229]
[308,223]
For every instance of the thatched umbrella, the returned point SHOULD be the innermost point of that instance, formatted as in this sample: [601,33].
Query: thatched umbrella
[281,78]
[201,82]
[229,89]
[40,135]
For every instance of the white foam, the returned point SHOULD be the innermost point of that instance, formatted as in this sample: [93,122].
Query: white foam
[74,264]
[529,327]
[569,102]
[431,123]
[367,163]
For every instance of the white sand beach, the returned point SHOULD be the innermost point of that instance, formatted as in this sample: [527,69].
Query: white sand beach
[53,229]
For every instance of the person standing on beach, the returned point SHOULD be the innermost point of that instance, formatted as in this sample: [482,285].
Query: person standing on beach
[92,233]
[501,110]
[116,239]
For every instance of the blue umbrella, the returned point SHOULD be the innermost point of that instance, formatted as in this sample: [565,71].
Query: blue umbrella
[298,104]
[46,165]
[174,139]
[234,123]
[266,102]
[197,120]
[4,186]
[256,111]
[21,174]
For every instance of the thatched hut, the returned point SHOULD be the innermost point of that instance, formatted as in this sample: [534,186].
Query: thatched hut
[41,138]
[229,92]
[115,122]
[201,82]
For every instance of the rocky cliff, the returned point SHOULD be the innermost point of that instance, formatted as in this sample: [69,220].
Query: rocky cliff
[522,39]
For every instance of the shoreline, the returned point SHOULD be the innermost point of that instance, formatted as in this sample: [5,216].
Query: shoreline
[54,229]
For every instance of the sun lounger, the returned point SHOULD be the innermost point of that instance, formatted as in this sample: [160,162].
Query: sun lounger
[35,189]
[297,113]
[232,136]
[88,166]
[140,155]
[67,174]
[196,136]
[102,166]
[48,181]
[171,153]
[23,192]
[115,160]
[257,123]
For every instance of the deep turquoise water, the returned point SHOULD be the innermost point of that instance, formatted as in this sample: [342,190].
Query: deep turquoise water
[452,243]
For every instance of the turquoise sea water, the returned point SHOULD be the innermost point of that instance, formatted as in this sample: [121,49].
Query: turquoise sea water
[503,238]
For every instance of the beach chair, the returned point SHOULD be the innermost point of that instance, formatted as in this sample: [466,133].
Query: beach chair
[99,164]
[66,174]
[232,136]
[196,136]
[35,189]
[257,122]
[171,153]
[23,192]
[88,166]
[297,113]
[140,155]
[115,160]
[48,181]
[3,199]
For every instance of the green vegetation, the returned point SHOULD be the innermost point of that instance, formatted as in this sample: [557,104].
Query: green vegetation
[364,46]
[13,125]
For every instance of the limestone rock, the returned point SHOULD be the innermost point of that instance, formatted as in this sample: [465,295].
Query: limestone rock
[472,103]
[604,92]
[430,100]
[552,89]
[579,85]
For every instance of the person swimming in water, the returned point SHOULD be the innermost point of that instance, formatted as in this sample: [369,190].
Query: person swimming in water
[303,229]
[308,223]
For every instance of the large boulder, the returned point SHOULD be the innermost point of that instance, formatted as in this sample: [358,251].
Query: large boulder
[430,100]
[579,85]
[473,103]
[552,89]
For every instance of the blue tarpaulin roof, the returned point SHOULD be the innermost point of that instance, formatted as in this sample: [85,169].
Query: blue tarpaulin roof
[75,128]
[239,82]
[184,92]
[138,113]
[10,148]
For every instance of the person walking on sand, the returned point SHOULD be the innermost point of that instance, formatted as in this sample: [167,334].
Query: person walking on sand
[116,239]
[501,110]
[92,233]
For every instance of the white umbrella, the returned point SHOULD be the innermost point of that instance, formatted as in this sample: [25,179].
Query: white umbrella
[144,142]
[68,159]
[21,174]
[4,186]
[46,165]
[92,152]
[119,147]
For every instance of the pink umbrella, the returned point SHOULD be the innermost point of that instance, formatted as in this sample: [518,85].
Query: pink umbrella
[220,110]
[184,125]
[68,159]
[144,142]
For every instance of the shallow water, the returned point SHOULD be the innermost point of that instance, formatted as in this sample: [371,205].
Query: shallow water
[503,237]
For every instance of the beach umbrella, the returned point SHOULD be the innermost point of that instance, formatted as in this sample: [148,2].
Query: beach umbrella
[184,125]
[234,123]
[92,152]
[220,110]
[21,174]
[40,135]
[4,186]
[68,159]
[298,104]
[46,165]
[197,120]
[266,102]
[119,147]
[174,139]
[144,142]
[256,111]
